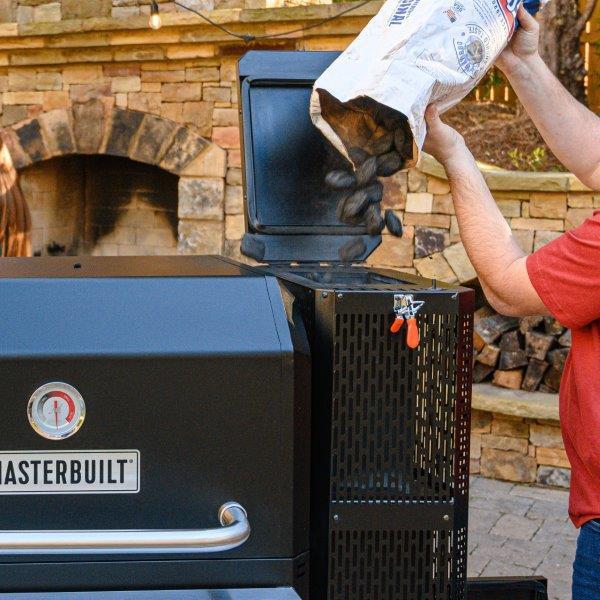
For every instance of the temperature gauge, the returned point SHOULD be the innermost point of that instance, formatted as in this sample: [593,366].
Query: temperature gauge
[56,411]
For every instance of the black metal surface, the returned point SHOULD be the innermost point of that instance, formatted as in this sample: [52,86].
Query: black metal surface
[507,588]
[390,436]
[290,210]
[154,574]
[174,367]
[239,594]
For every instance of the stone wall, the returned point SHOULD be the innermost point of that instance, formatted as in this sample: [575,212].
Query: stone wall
[518,449]
[52,11]
[537,206]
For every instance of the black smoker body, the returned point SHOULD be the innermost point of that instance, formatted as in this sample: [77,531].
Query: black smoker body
[279,388]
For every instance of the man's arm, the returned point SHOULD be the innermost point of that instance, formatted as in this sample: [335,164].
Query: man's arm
[488,240]
[569,128]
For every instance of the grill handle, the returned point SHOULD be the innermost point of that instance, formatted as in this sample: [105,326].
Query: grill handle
[234,531]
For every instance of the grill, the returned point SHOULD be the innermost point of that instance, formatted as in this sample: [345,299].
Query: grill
[191,427]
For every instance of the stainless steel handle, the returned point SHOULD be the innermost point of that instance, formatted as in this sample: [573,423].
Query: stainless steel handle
[234,531]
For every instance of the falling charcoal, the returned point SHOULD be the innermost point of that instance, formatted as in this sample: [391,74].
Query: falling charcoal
[355,205]
[382,144]
[388,164]
[373,220]
[399,140]
[358,156]
[393,223]
[367,171]
[352,250]
[374,192]
[340,179]
[341,205]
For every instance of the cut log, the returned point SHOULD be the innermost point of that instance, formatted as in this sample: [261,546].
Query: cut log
[565,339]
[553,327]
[489,329]
[483,312]
[489,356]
[534,374]
[510,342]
[530,323]
[481,372]
[537,344]
[552,379]
[509,379]
[558,358]
[512,360]
[544,388]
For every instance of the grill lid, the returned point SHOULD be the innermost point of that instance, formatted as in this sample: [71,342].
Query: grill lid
[290,212]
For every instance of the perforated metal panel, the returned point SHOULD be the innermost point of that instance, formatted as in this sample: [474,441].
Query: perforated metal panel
[400,436]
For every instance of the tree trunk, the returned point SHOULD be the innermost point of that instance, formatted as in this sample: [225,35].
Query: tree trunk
[562,23]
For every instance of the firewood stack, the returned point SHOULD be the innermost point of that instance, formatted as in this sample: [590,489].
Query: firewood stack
[527,353]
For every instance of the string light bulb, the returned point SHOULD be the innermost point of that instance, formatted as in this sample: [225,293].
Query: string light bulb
[155,19]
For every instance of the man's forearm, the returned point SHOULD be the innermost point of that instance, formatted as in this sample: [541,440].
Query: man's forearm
[569,128]
[485,233]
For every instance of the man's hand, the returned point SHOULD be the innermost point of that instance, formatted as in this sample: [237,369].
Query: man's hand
[443,142]
[524,44]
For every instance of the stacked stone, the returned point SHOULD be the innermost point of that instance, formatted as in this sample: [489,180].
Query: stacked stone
[83,71]
[518,449]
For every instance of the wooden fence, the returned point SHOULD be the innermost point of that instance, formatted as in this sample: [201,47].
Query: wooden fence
[496,89]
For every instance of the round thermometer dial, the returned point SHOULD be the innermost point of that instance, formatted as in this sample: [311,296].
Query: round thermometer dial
[56,411]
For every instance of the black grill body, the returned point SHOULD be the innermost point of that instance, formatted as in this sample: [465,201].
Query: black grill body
[172,356]
[390,440]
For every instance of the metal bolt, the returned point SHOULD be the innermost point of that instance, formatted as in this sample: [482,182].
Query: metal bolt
[336,518]
[446,518]
[324,294]
[340,296]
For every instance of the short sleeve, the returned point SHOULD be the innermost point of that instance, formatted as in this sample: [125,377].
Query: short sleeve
[566,274]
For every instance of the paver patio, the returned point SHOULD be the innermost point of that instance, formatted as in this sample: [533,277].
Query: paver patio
[521,530]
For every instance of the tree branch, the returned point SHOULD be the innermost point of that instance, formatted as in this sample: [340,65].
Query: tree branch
[586,15]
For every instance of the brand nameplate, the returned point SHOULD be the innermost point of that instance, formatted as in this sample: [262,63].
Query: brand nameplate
[70,472]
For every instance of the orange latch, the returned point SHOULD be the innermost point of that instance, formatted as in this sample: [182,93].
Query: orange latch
[406,308]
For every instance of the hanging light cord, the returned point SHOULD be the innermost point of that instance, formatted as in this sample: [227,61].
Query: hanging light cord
[247,37]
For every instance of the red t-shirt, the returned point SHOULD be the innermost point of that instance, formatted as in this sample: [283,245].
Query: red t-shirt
[566,275]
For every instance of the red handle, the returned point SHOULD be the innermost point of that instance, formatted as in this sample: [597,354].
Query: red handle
[397,325]
[413,338]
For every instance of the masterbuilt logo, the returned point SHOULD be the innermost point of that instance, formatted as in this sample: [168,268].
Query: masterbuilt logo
[403,11]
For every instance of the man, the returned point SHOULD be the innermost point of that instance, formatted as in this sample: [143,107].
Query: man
[561,279]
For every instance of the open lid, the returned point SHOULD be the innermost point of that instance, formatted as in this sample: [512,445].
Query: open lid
[291,213]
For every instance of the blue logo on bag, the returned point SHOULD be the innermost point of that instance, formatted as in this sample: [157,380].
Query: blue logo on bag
[402,12]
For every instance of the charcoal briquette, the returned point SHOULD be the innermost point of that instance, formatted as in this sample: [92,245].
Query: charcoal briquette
[392,222]
[382,144]
[367,171]
[399,140]
[340,179]
[373,220]
[352,250]
[374,192]
[357,155]
[388,164]
[355,205]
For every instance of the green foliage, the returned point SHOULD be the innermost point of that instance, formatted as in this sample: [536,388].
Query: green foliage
[534,161]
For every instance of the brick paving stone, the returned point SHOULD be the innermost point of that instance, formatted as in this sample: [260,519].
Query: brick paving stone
[516,527]
[521,530]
